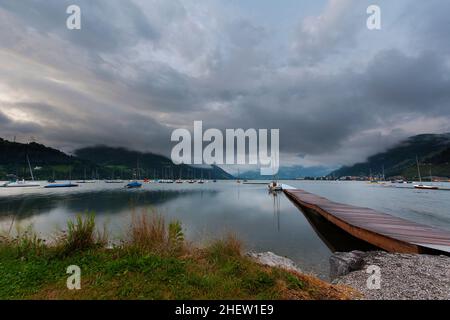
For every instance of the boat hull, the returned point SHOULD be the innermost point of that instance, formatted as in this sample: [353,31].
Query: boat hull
[56,186]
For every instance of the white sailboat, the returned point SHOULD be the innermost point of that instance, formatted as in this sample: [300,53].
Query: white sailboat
[22,183]
[274,186]
[422,186]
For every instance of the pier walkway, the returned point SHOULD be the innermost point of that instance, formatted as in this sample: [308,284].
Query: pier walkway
[382,230]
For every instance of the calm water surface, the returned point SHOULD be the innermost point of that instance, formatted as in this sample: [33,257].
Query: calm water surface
[262,222]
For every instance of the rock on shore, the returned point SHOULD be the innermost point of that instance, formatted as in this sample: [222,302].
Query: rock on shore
[272,260]
[403,276]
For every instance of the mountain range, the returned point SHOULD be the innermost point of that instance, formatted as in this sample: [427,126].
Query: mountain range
[431,150]
[99,162]
[103,162]
[289,172]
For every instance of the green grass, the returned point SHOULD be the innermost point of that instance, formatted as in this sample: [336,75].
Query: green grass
[166,269]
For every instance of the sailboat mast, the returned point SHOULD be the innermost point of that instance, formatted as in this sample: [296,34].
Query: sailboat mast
[418,169]
[29,166]
[431,177]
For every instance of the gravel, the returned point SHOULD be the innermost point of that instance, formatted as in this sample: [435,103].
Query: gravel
[402,276]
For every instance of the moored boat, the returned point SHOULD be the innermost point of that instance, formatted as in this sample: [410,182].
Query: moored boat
[61,185]
[275,187]
[21,184]
[134,185]
[424,187]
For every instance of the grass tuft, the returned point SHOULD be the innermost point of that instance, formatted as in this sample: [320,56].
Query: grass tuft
[81,235]
[150,234]
[226,248]
[26,242]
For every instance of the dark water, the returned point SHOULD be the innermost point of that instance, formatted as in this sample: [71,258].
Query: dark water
[263,222]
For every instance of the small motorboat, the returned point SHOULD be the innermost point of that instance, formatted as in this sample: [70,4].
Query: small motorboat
[21,184]
[423,187]
[275,187]
[61,185]
[134,185]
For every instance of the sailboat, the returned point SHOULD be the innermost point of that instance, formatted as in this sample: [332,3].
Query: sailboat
[201,181]
[68,184]
[274,186]
[179,181]
[22,183]
[135,184]
[52,179]
[59,185]
[422,186]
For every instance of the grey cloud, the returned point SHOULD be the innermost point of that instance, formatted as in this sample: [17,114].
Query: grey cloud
[107,25]
[4,120]
[142,76]
[420,83]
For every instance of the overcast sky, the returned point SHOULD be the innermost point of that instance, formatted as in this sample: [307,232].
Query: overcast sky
[140,68]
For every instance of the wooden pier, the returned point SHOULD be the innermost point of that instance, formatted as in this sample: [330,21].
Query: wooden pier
[379,229]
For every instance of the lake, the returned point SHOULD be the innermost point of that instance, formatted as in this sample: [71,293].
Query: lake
[263,222]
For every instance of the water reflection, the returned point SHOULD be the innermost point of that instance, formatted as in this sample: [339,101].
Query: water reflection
[276,208]
[99,202]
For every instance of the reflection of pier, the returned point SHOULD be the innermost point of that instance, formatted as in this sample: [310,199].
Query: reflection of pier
[334,238]
[368,226]
[276,208]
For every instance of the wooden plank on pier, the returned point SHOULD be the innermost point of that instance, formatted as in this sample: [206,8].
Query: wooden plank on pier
[385,231]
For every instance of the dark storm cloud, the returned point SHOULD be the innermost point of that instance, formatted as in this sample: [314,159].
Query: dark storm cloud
[139,69]
[9,128]
[406,83]
[112,24]
[4,120]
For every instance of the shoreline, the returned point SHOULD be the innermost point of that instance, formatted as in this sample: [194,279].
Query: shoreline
[402,276]
[153,263]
